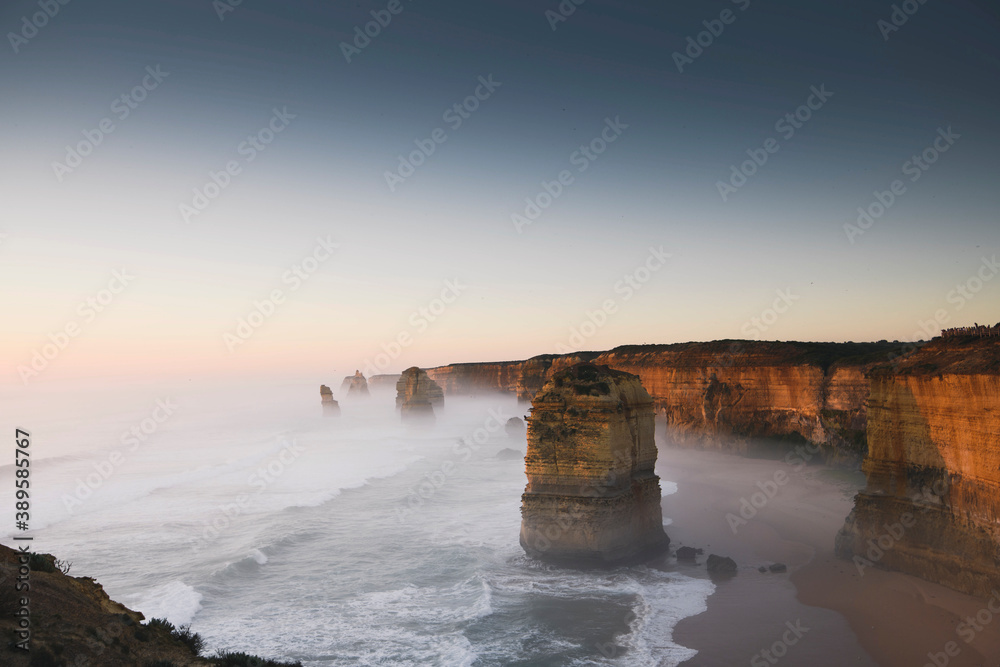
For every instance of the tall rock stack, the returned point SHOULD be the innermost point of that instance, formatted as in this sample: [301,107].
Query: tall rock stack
[417,395]
[330,407]
[592,497]
[358,385]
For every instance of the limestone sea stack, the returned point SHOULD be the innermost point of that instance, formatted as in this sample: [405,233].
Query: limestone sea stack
[330,407]
[358,385]
[592,497]
[417,395]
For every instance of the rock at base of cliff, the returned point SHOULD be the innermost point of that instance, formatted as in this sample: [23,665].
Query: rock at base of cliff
[330,407]
[721,564]
[515,427]
[687,554]
[592,497]
[509,454]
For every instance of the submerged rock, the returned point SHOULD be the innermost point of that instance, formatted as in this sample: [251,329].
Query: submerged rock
[778,567]
[687,553]
[330,407]
[592,497]
[417,394]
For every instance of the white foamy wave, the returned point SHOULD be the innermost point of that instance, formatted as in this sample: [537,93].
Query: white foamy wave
[663,600]
[258,556]
[176,601]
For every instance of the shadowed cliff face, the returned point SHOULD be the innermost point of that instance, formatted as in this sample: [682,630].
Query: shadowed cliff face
[720,394]
[933,468]
[592,496]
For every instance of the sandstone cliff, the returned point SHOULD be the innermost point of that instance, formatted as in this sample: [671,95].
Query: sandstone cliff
[417,394]
[592,496]
[932,503]
[722,393]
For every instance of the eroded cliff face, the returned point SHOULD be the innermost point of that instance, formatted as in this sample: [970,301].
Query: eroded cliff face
[720,394]
[417,395]
[592,496]
[932,504]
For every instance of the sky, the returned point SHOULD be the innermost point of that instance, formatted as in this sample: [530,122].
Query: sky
[253,188]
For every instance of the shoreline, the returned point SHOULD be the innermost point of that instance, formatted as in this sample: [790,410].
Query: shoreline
[822,611]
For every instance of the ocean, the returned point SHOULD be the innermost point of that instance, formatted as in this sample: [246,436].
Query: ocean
[268,528]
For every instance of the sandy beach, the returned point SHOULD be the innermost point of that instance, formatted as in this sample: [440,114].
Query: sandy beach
[822,611]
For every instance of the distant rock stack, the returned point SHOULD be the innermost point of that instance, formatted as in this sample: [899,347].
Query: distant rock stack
[358,385]
[592,497]
[417,395]
[330,407]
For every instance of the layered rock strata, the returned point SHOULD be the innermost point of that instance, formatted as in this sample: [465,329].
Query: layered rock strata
[331,408]
[931,507]
[723,394]
[592,497]
[417,395]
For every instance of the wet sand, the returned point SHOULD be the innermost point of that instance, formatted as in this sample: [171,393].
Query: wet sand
[822,611]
